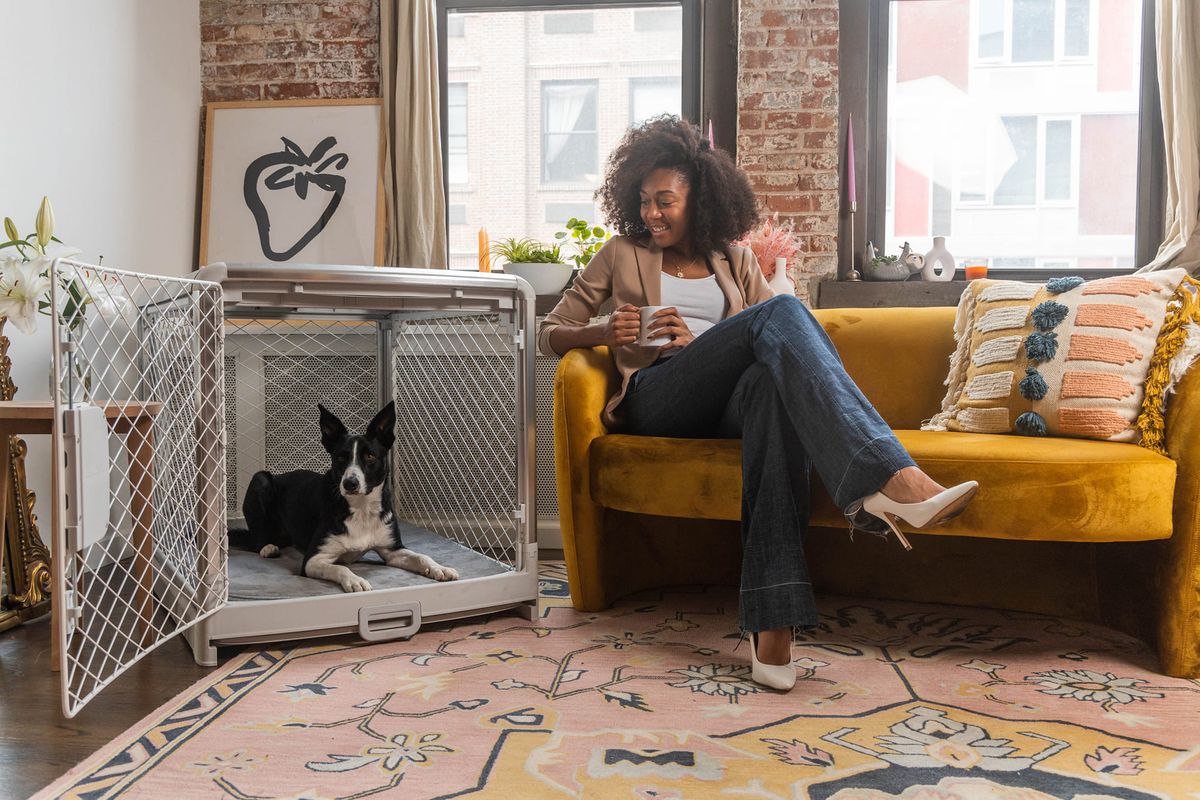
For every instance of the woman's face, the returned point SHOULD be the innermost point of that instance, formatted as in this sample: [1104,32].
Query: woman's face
[665,207]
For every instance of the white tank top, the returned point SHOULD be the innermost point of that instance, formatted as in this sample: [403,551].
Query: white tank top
[700,302]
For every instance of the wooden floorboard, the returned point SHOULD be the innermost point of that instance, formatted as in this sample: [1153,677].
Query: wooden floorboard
[37,744]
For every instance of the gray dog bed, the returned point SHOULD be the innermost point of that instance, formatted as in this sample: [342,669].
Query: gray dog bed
[252,577]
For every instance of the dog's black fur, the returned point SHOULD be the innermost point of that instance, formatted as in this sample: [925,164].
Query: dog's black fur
[338,515]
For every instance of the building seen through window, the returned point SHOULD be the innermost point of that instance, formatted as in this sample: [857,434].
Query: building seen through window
[1013,129]
[536,100]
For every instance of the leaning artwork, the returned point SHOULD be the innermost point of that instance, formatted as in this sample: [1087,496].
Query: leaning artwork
[292,182]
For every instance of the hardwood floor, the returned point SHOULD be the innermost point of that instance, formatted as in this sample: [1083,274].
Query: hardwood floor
[37,744]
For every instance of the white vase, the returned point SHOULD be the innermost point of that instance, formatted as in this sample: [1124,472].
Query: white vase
[780,283]
[939,256]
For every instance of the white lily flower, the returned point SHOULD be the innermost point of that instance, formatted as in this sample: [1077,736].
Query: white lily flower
[22,286]
[109,298]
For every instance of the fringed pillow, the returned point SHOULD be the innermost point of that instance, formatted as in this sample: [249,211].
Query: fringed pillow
[1091,359]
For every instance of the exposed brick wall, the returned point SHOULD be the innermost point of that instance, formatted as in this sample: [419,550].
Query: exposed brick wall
[279,50]
[788,121]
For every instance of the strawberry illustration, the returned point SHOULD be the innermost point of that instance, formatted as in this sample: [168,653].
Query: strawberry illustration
[299,171]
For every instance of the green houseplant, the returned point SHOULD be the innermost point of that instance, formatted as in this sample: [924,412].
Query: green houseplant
[585,238]
[542,266]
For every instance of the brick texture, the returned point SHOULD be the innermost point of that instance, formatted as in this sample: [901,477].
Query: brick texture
[788,121]
[277,50]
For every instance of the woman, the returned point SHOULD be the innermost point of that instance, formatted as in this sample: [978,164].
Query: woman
[739,362]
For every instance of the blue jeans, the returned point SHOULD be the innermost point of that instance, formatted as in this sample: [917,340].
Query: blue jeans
[771,376]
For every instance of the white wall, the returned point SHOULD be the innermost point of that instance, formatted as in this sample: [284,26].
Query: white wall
[102,115]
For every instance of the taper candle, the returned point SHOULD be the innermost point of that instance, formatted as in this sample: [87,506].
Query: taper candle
[851,179]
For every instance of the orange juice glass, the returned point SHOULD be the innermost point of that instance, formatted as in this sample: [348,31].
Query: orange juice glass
[975,270]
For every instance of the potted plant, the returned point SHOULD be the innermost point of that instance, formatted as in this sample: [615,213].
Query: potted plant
[542,266]
[585,238]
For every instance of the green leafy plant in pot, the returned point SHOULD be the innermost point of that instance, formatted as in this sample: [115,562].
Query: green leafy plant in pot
[542,266]
[585,238]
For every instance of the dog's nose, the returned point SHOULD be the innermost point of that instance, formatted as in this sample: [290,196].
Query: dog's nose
[350,484]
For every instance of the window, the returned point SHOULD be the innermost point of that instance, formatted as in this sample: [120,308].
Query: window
[456,132]
[545,93]
[570,146]
[1034,31]
[1013,129]
[656,19]
[558,213]
[649,97]
[567,22]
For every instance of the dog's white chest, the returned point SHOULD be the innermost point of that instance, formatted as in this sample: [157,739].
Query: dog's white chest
[366,530]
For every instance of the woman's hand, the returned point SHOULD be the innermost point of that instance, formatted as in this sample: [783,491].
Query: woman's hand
[667,321]
[623,326]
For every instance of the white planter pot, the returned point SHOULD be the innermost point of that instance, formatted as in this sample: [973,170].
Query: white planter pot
[544,278]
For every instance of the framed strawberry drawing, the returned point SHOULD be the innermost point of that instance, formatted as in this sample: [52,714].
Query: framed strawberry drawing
[293,182]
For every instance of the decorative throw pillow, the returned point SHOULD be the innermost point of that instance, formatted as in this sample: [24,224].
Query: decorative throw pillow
[1068,358]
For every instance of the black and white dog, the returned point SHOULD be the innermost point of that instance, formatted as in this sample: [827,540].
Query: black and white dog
[335,517]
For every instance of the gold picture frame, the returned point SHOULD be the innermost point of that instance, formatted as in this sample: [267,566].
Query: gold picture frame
[26,559]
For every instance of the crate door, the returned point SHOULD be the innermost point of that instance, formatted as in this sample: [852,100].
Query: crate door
[140,540]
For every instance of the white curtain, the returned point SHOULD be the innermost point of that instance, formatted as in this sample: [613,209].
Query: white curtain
[413,188]
[564,104]
[1177,32]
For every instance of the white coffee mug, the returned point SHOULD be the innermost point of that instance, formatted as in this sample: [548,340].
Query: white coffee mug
[646,313]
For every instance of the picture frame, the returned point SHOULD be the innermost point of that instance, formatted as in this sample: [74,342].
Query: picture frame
[293,181]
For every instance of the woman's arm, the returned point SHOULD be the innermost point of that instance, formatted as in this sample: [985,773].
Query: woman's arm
[567,326]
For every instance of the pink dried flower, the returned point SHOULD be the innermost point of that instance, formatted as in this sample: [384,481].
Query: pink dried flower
[771,240]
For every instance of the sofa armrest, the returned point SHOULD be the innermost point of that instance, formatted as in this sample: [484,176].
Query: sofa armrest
[583,382]
[1179,569]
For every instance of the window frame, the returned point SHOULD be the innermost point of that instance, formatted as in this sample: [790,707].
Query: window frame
[709,56]
[863,62]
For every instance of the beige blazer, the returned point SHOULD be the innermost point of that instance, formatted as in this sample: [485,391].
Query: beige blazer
[630,271]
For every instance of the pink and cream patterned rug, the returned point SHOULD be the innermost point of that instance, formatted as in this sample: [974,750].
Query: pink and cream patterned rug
[650,701]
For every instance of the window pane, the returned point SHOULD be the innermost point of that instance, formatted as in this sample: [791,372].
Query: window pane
[649,97]
[456,26]
[1027,164]
[567,22]
[569,142]
[1078,28]
[545,110]
[657,19]
[1058,160]
[991,28]
[457,212]
[456,132]
[1033,30]
[1019,184]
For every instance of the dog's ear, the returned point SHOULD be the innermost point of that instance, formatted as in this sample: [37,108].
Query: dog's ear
[383,428]
[332,429]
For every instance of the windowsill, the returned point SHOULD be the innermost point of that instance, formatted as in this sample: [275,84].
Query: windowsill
[917,293]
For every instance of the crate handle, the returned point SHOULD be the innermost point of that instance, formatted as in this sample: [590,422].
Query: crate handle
[387,622]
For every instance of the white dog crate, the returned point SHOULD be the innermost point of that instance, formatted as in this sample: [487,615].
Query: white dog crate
[173,392]
[455,352]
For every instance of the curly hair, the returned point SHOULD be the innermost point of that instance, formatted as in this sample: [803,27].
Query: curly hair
[721,203]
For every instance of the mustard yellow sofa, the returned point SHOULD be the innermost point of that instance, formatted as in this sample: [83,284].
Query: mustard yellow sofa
[1085,529]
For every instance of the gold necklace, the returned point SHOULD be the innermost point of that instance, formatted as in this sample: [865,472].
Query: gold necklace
[679,266]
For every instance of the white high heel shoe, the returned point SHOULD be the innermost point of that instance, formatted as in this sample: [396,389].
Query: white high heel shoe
[943,506]
[773,676]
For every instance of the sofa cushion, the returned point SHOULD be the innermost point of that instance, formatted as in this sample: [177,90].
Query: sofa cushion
[1052,489]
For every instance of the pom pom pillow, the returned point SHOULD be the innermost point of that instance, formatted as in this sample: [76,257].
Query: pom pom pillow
[1068,357]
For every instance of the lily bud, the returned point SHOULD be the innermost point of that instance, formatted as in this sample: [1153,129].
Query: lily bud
[10,229]
[45,223]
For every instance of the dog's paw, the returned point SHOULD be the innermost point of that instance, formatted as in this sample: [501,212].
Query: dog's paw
[269,551]
[440,573]
[355,584]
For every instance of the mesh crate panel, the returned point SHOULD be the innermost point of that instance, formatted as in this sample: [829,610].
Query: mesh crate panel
[147,350]
[282,370]
[232,495]
[456,431]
